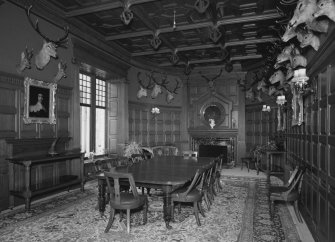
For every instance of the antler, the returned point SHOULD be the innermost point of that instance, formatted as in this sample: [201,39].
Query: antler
[175,89]
[149,86]
[164,81]
[207,79]
[60,42]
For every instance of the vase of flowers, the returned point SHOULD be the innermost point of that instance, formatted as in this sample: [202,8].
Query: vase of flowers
[132,148]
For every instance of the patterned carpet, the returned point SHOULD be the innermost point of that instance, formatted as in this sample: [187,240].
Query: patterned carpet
[240,212]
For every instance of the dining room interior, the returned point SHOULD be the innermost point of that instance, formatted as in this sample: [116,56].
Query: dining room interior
[167,120]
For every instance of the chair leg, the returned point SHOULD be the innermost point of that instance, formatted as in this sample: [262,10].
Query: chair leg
[248,164]
[207,201]
[179,207]
[172,211]
[145,212]
[196,213]
[121,215]
[110,221]
[128,221]
[296,210]
[201,209]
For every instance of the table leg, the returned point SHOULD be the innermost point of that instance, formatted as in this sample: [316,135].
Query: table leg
[167,209]
[27,193]
[101,196]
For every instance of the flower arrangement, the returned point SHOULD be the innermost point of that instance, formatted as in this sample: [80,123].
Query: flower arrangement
[132,148]
[270,146]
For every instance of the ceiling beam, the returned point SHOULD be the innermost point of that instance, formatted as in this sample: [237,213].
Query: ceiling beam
[235,20]
[208,46]
[102,7]
[237,58]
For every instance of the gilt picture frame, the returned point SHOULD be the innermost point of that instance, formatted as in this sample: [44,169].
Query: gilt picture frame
[39,102]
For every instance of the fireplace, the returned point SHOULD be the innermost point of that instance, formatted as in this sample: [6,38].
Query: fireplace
[212,150]
[213,143]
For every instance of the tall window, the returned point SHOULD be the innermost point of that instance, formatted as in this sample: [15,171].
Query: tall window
[92,114]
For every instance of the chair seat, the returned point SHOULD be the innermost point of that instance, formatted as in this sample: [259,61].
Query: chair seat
[128,201]
[292,196]
[193,195]
[278,189]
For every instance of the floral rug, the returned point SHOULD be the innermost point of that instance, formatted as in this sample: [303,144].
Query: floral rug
[240,212]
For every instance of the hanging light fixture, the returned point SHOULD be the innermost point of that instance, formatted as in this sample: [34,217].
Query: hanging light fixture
[266,108]
[174,19]
[155,111]
[281,100]
[300,79]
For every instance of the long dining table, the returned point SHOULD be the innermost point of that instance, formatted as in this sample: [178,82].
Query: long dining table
[166,173]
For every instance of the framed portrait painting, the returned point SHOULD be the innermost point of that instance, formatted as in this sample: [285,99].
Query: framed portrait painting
[39,101]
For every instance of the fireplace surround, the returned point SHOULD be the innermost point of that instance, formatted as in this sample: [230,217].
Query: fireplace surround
[201,139]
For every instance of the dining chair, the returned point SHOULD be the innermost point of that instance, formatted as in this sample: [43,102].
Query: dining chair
[190,154]
[191,194]
[124,200]
[285,187]
[291,194]
[208,186]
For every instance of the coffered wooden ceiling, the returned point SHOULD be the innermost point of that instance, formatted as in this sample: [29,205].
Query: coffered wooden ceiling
[248,28]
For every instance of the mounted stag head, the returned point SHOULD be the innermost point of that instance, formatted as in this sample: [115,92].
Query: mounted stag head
[49,46]
[25,60]
[261,84]
[299,60]
[272,90]
[158,85]
[61,72]
[143,92]
[308,38]
[289,72]
[278,76]
[211,82]
[326,7]
[285,55]
[304,14]
[170,94]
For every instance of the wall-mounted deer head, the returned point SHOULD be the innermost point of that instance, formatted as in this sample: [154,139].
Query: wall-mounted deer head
[171,94]
[326,7]
[49,48]
[25,60]
[304,14]
[143,92]
[158,85]
[278,76]
[61,72]
[211,82]
[307,38]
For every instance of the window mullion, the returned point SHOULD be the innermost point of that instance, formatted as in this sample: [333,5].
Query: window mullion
[93,113]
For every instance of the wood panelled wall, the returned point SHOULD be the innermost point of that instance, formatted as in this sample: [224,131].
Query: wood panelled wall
[12,125]
[149,130]
[313,145]
[260,126]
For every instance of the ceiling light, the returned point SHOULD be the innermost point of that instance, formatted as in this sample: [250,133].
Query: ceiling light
[281,100]
[266,108]
[300,79]
[174,20]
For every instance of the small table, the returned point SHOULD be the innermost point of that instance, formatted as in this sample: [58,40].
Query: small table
[27,161]
[166,173]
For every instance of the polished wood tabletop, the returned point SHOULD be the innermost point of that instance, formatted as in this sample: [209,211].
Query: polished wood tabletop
[162,172]
[166,170]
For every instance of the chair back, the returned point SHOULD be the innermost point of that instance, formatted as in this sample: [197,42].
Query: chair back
[190,154]
[197,181]
[115,190]
[293,176]
[297,183]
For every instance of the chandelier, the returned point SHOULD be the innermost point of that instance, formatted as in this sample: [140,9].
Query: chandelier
[281,100]
[300,79]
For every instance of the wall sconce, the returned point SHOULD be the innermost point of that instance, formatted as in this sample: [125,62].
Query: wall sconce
[266,108]
[300,79]
[281,100]
[155,111]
